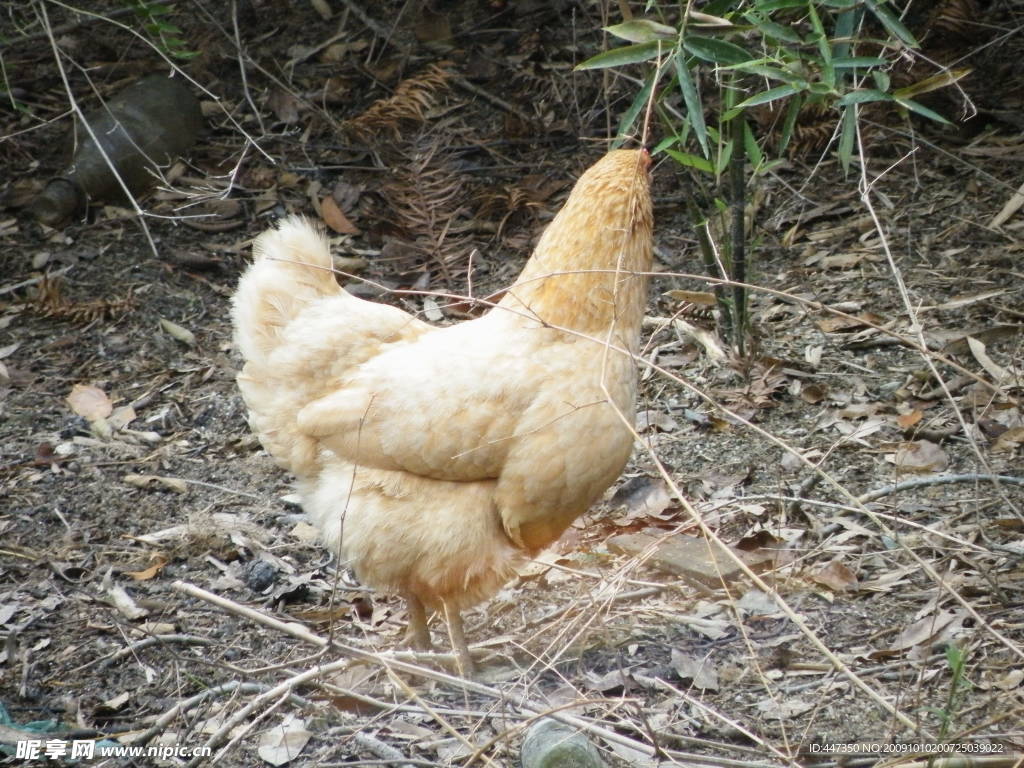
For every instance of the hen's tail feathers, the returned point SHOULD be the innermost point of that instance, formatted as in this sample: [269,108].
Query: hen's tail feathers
[291,269]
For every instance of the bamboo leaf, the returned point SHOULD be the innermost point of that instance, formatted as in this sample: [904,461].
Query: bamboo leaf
[639,102]
[642,31]
[847,133]
[789,122]
[858,61]
[891,23]
[750,146]
[862,96]
[617,57]
[691,161]
[715,51]
[932,83]
[694,108]
[779,92]
[921,109]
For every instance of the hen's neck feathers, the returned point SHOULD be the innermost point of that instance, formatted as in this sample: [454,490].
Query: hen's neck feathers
[586,273]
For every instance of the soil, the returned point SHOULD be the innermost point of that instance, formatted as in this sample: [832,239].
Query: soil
[886,355]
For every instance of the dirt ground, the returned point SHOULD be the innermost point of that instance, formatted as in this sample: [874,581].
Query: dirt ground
[864,458]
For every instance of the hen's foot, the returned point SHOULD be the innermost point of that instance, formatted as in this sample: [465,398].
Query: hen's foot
[458,638]
[417,635]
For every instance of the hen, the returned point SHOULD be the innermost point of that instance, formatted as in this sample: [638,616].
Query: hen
[435,459]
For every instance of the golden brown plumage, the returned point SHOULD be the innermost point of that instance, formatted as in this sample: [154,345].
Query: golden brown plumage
[435,459]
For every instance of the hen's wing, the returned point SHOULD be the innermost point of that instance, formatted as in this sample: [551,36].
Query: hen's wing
[444,405]
[483,401]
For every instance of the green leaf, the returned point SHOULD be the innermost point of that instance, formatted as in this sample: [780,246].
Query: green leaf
[779,92]
[767,6]
[694,108]
[639,102]
[822,89]
[881,78]
[770,29]
[921,109]
[690,161]
[642,31]
[754,153]
[862,96]
[858,61]
[724,157]
[759,67]
[617,57]
[715,51]
[847,133]
[844,29]
[718,7]
[828,73]
[789,122]
[664,144]
[891,23]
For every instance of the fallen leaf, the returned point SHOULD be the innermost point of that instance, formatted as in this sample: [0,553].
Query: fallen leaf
[701,298]
[662,422]
[178,333]
[907,420]
[700,671]
[148,573]
[1009,441]
[125,604]
[920,456]
[431,310]
[89,402]
[836,577]
[284,105]
[773,709]
[335,219]
[283,743]
[149,482]
[642,496]
[923,630]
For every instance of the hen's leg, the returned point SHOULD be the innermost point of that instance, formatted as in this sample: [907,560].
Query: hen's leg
[417,636]
[458,638]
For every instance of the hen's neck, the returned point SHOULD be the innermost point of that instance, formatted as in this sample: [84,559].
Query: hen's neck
[587,273]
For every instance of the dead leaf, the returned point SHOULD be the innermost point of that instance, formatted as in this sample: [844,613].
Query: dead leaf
[920,456]
[907,420]
[335,219]
[923,630]
[178,333]
[89,402]
[842,260]
[774,709]
[284,105]
[642,496]
[122,417]
[1010,441]
[997,372]
[149,482]
[700,298]
[283,743]
[662,422]
[148,573]
[431,310]
[125,604]
[840,324]
[812,394]
[113,705]
[836,577]
[700,671]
